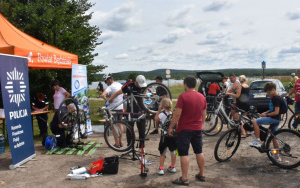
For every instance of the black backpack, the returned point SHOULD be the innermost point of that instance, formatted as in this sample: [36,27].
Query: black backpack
[283,106]
[165,126]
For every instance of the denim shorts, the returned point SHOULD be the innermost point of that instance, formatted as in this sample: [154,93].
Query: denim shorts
[187,137]
[269,121]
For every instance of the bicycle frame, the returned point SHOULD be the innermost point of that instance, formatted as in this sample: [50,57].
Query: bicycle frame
[220,110]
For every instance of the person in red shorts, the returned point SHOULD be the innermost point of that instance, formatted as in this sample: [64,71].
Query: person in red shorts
[189,114]
[213,89]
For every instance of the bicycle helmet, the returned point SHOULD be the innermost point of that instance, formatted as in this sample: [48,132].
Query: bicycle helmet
[293,74]
[107,76]
[50,142]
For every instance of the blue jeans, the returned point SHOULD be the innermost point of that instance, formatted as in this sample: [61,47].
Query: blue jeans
[269,121]
[297,109]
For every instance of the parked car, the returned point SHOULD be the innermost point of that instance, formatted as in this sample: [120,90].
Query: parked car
[259,98]
[206,78]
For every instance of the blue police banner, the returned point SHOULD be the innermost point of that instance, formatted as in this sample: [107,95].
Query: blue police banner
[16,103]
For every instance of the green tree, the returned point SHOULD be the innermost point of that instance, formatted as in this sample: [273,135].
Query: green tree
[60,23]
[133,76]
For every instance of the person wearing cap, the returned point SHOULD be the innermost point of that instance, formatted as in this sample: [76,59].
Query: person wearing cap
[40,103]
[59,95]
[136,88]
[294,78]
[296,91]
[113,87]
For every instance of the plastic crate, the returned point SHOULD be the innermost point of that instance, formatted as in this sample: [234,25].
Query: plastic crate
[111,165]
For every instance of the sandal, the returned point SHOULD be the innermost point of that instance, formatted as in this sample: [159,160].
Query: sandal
[115,145]
[200,178]
[243,136]
[180,181]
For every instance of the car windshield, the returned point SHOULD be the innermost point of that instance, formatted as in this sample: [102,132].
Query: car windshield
[258,85]
[261,84]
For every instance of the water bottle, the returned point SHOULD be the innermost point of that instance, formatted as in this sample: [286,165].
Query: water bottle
[2,144]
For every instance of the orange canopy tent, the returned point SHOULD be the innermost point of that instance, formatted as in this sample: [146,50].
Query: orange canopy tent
[40,55]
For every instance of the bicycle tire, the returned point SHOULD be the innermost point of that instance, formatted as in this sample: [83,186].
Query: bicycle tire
[283,121]
[230,144]
[297,115]
[68,113]
[127,136]
[151,103]
[149,121]
[82,123]
[212,125]
[289,148]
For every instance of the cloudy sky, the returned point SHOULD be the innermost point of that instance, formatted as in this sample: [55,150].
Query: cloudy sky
[146,35]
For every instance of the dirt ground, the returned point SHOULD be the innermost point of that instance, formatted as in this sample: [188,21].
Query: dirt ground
[247,168]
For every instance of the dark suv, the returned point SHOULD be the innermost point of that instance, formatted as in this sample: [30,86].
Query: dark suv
[259,98]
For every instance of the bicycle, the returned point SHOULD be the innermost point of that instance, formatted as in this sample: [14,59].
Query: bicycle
[295,116]
[150,103]
[216,117]
[72,119]
[288,142]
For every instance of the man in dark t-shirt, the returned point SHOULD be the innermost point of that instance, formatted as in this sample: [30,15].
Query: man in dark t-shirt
[40,103]
[135,88]
[270,117]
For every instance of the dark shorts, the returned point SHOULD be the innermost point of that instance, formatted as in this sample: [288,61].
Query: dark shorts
[187,137]
[167,142]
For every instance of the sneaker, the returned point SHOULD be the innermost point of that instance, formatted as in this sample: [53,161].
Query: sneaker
[277,158]
[255,143]
[170,169]
[160,171]
[154,132]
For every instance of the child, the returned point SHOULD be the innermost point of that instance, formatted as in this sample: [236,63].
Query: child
[165,140]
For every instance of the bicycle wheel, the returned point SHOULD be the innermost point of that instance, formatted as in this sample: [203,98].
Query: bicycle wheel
[152,96]
[227,145]
[296,117]
[212,125]
[288,150]
[149,122]
[82,123]
[283,121]
[119,132]
[68,113]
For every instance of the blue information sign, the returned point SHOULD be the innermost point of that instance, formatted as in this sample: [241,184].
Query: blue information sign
[16,103]
[263,64]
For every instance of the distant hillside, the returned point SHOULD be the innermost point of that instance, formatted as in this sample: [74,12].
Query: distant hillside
[180,74]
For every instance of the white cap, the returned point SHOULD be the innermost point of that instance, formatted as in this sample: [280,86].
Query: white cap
[293,74]
[141,80]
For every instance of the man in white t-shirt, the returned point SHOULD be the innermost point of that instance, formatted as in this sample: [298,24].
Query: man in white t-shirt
[113,87]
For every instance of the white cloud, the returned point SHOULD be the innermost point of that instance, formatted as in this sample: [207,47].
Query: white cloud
[121,56]
[294,48]
[294,15]
[181,17]
[175,35]
[119,19]
[216,6]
